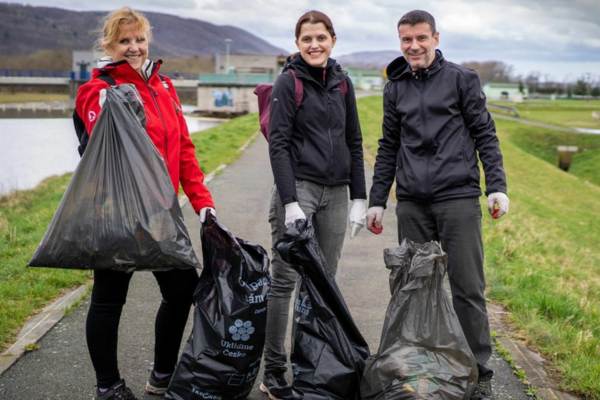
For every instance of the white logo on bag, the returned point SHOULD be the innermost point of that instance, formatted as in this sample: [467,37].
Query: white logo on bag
[254,286]
[303,306]
[255,298]
[204,395]
[91,116]
[241,330]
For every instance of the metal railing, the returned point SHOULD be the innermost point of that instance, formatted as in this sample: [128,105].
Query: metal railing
[34,73]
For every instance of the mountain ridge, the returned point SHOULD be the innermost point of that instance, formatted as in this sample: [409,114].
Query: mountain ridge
[25,29]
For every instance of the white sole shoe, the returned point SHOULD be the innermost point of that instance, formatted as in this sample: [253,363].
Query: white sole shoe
[153,390]
[265,390]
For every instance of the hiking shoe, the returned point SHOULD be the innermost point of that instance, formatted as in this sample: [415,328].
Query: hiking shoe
[276,387]
[118,391]
[483,390]
[157,386]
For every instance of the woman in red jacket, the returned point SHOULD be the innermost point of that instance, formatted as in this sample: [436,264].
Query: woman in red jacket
[125,39]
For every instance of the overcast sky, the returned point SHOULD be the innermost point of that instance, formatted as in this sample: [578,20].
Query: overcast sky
[558,38]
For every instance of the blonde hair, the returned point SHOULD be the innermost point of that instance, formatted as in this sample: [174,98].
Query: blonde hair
[111,27]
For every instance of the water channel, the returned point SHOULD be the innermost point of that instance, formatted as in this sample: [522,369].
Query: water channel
[32,149]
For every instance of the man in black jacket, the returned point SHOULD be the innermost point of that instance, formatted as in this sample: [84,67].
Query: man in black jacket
[435,125]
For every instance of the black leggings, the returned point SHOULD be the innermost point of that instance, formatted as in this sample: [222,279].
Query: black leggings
[102,325]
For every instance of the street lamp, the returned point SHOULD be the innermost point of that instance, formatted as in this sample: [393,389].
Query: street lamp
[227,44]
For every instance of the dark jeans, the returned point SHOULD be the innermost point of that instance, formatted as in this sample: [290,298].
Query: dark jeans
[457,225]
[329,206]
[102,325]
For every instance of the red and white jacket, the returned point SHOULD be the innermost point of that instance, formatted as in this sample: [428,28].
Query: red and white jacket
[165,124]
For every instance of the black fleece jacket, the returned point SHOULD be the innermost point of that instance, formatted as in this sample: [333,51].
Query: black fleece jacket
[435,124]
[320,141]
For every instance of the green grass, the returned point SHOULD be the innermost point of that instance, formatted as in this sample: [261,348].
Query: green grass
[542,143]
[24,97]
[542,258]
[25,215]
[569,113]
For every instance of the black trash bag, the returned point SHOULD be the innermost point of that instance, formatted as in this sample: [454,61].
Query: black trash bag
[423,353]
[120,210]
[328,353]
[222,356]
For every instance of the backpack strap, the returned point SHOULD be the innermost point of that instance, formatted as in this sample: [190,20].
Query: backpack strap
[105,76]
[298,89]
[344,86]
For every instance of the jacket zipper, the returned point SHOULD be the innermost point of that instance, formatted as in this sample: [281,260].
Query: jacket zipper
[425,136]
[153,94]
[329,134]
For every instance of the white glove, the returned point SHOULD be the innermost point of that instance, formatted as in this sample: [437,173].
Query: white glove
[357,216]
[293,212]
[375,219]
[498,204]
[205,210]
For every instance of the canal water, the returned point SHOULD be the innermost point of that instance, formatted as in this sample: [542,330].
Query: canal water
[32,149]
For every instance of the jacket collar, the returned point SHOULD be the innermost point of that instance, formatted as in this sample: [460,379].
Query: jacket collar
[333,70]
[122,70]
[400,69]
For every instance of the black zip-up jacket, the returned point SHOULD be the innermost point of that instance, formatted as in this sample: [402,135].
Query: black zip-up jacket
[435,123]
[320,141]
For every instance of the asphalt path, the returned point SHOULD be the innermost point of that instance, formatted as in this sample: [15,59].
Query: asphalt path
[61,368]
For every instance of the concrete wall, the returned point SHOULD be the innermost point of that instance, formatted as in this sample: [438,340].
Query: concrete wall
[235,99]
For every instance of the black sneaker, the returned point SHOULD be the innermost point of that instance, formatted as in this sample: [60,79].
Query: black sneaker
[156,385]
[118,391]
[483,390]
[276,387]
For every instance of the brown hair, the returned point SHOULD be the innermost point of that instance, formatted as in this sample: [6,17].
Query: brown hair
[416,17]
[314,17]
[123,16]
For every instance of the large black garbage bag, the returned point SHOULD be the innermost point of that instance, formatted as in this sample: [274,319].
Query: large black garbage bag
[120,210]
[222,356]
[329,353]
[423,353]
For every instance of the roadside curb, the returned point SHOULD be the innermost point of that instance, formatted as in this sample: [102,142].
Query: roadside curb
[40,324]
[531,362]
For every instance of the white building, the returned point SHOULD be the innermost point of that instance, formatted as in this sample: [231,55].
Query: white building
[505,91]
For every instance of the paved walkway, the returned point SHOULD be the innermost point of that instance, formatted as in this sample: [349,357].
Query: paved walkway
[61,368]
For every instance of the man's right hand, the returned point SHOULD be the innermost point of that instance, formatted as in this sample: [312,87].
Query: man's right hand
[375,219]
[293,212]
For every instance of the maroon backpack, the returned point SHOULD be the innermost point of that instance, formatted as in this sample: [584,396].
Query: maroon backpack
[264,90]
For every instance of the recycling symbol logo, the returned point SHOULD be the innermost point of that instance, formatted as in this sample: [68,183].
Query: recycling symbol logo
[241,330]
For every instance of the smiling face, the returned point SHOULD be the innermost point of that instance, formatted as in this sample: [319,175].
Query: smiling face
[418,44]
[131,44]
[315,44]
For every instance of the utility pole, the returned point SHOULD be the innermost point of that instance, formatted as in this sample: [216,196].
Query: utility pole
[227,44]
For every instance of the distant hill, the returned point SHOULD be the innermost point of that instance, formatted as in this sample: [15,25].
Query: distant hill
[368,59]
[26,29]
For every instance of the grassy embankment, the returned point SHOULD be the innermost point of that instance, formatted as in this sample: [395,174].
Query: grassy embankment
[25,97]
[542,258]
[569,113]
[25,215]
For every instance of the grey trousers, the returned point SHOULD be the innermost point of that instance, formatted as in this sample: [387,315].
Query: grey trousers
[329,205]
[457,225]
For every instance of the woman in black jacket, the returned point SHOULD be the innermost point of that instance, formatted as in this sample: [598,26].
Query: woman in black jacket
[316,157]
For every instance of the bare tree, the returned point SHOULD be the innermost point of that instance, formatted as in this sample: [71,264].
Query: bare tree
[491,71]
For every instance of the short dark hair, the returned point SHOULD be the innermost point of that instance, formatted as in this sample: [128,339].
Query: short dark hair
[417,17]
[314,17]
